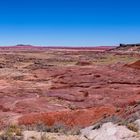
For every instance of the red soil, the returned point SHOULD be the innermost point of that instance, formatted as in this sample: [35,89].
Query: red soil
[83,117]
[91,93]
[39,86]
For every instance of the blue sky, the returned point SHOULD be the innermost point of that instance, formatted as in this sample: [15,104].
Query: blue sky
[69,22]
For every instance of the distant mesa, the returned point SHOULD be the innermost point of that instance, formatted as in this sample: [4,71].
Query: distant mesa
[20,47]
[23,45]
[128,47]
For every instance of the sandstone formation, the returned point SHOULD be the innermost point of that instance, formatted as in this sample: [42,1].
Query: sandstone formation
[110,131]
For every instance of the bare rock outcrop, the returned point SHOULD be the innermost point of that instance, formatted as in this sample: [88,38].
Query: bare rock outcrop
[109,131]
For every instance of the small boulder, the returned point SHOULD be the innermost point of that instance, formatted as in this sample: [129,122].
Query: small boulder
[137,123]
[109,131]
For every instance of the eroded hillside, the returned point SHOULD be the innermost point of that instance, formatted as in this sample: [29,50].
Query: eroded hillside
[70,86]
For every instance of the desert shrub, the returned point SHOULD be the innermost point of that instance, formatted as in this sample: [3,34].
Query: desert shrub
[12,132]
[44,137]
[132,127]
[56,128]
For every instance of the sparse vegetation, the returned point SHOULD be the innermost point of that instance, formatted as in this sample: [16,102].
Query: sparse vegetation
[12,132]
[132,127]
[56,128]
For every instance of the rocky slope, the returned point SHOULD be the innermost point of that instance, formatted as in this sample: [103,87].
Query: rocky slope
[127,48]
